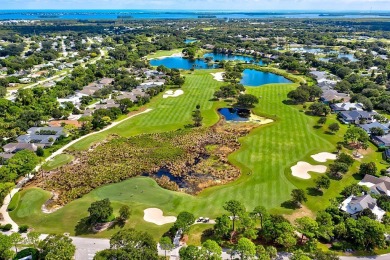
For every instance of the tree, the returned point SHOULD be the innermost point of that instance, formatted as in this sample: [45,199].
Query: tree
[322,182]
[222,226]
[325,225]
[272,252]
[100,211]
[298,196]
[246,101]
[247,226]
[125,104]
[40,152]
[298,96]
[307,227]
[184,221]
[235,208]
[278,229]
[130,244]
[384,202]
[166,244]
[212,249]
[33,239]
[261,253]
[322,120]
[16,239]
[334,127]
[357,136]
[345,158]
[197,118]
[368,168]
[319,109]
[190,253]
[245,248]
[261,213]
[377,131]
[124,213]
[299,255]
[57,247]
[5,247]
[366,233]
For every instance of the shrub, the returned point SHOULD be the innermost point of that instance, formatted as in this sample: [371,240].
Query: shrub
[7,227]
[27,252]
[23,229]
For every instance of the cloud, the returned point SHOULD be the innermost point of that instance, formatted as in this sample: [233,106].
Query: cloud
[252,5]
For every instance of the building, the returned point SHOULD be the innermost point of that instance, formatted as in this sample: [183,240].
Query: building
[356,117]
[16,147]
[332,96]
[353,205]
[5,157]
[346,106]
[377,186]
[368,127]
[381,141]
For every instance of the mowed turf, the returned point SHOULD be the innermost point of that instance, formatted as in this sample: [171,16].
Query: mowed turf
[265,157]
[57,161]
[170,113]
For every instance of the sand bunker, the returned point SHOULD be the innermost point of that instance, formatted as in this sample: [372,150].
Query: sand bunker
[323,157]
[218,76]
[173,55]
[302,169]
[171,93]
[155,215]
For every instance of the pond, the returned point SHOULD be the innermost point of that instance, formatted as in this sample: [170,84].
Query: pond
[235,114]
[350,57]
[164,172]
[182,63]
[187,64]
[188,41]
[220,56]
[255,78]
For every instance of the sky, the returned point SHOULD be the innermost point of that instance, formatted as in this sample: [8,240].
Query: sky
[252,5]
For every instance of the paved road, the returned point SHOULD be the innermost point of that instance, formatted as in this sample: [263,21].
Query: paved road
[86,248]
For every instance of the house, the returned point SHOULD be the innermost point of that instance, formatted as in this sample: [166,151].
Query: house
[381,141]
[356,117]
[346,106]
[75,99]
[368,127]
[16,147]
[25,80]
[377,186]
[5,157]
[44,136]
[106,81]
[89,90]
[331,96]
[353,205]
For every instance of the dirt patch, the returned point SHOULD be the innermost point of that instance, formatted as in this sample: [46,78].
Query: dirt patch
[299,213]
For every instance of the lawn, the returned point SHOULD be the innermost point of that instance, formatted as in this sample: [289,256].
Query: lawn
[265,158]
[57,161]
[159,54]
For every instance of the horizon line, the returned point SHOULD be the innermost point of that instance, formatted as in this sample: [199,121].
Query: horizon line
[203,10]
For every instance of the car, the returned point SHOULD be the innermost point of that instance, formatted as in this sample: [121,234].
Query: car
[200,219]
[206,220]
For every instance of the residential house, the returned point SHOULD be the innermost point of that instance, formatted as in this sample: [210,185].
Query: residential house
[346,106]
[377,186]
[331,96]
[5,157]
[106,81]
[45,136]
[356,117]
[353,205]
[381,141]
[368,127]
[16,147]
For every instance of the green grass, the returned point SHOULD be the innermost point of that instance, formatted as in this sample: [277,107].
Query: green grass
[57,161]
[168,114]
[159,54]
[267,152]
[14,202]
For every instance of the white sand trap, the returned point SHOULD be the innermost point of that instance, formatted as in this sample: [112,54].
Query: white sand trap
[155,215]
[171,93]
[218,76]
[302,169]
[171,56]
[323,157]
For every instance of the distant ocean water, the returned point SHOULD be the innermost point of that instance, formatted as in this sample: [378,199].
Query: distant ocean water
[171,14]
